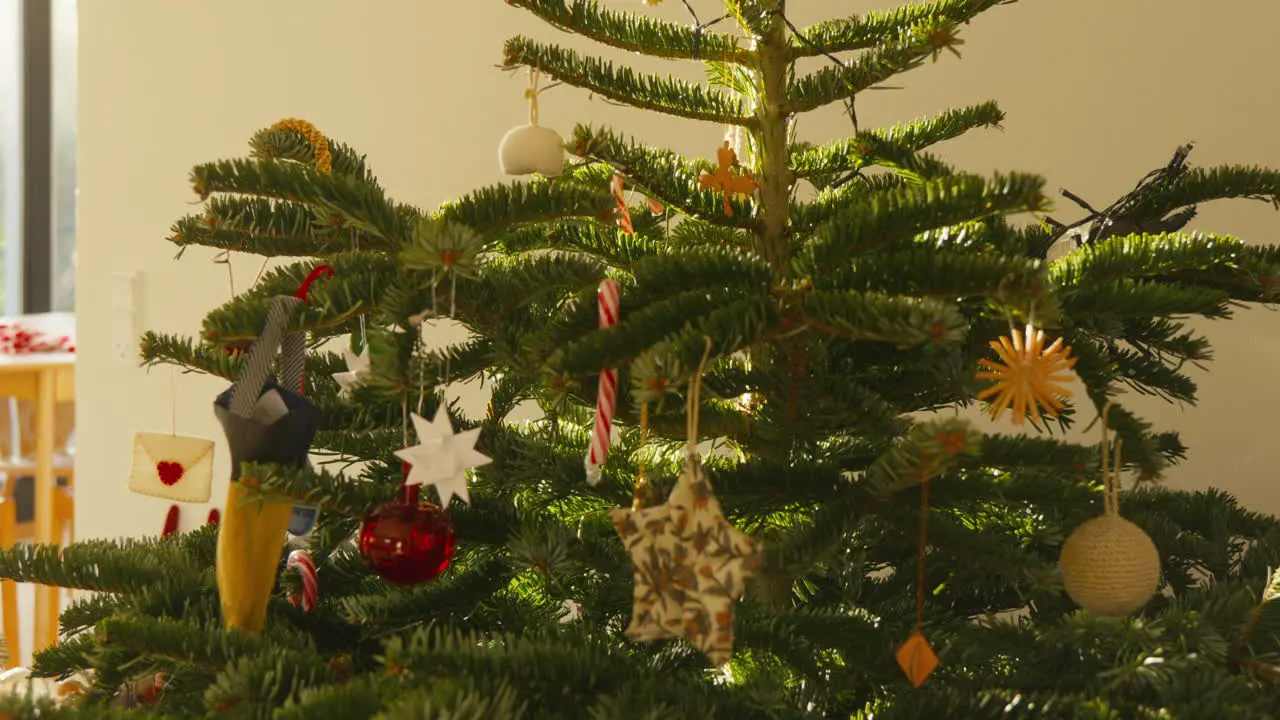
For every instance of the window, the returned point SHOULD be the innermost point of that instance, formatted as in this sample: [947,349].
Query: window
[37,155]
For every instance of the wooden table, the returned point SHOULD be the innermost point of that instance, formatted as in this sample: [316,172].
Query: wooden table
[48,379]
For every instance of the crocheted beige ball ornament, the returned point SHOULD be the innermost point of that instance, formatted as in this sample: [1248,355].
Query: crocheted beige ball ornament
[1110,566]
[531,148]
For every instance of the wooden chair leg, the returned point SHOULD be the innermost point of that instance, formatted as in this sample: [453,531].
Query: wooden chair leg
[9,588]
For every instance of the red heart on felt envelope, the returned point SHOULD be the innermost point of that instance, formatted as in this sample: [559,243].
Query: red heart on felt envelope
[170,472]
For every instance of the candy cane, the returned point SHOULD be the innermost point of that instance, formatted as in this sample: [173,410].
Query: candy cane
[624,216]
[607,395]
[310,585]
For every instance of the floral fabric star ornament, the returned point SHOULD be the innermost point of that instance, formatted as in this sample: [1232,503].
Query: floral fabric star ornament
[442,457]
[359,367]
[691,566]
[1028,378]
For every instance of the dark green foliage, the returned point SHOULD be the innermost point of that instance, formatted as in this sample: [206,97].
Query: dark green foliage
[649,92]
[844,330]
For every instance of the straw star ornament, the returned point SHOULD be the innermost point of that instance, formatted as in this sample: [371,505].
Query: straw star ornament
[1029,377]
[442,457]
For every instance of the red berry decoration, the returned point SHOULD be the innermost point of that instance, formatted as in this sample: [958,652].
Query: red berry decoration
[405,542]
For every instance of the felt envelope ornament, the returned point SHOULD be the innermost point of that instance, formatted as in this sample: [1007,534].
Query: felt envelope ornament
[172,467]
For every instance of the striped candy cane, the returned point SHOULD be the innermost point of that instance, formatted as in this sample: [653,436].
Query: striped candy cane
[310,584]
[624,216]
[608,297]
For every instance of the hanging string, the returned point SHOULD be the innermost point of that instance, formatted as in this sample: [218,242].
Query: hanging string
[224,258]
[422,372]
[453,294]
[1110,477]
[173,401]
[642,480]
[261,270]
[1115,480]
[532,94]
[924,539]
[695,394]
[434,281]
[404,417]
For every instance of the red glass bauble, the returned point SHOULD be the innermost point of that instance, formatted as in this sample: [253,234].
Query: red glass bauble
[405,542]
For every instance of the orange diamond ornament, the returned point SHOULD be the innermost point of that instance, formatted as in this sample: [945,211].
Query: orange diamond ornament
[917,659]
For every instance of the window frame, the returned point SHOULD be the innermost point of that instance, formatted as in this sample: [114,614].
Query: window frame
[37,123]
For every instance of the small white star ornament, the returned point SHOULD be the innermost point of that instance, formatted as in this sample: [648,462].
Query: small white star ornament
[358,369]
[442,457]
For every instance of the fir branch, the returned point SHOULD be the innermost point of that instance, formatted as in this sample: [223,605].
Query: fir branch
[334,304]
[882,26]
[483,700]
[68,657]
[362,696]
[184,352]
[501,206]
[639,330]
[1166,337]
[647,92]
[932,272]
[331,493]
[281,144]
[120,566]
[1212,261]
[663,174]
[364,444]
[807,216]
[268,227]
[1138,298]
[881,318]
[586,668]
[1198,185]
[851,154]
[192,640]
[507,285]
[1099,372]
[609,245]
[254,685]
[700,233]
[833,84]
[694,267]
[86,612]
[885,218]
[1148,376]
[362,203]
[445,602]
[635,33]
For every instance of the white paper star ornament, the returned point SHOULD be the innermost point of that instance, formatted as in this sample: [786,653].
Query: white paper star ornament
[358,369]
[442,457]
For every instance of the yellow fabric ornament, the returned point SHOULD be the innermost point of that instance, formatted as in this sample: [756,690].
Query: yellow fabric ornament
[1109,565]
[250,536]
[265,421]
[1029,377]
[316,139]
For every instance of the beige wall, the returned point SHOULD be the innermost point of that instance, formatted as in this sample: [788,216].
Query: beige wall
[1097,92]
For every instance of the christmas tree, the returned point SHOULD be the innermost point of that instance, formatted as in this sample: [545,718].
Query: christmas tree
[808,319]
